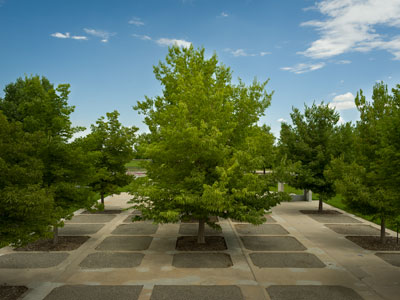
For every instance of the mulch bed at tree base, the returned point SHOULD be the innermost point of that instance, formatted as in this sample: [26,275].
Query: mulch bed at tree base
[324,212]
[103,212]
[65,243]
[189,243]
[374,243]
[9,292]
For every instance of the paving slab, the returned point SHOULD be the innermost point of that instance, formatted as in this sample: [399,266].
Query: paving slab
[249,229]
[333,218]
[312,292]
[91,219]
[192,229]
[272,243]
[95,292]
[202,260]
[125,243]
[196,292]
[103,212]
[112,260]
[354,229]
[32,260]
[391,258]
[286,260]
[80,229]
[137,228]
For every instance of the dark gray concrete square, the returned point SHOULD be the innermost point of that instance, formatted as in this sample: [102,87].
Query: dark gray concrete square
[272,243]
[95,292]
[333,218]
[249,229]
[137,228]
[286,260]
[312,292]
[112,260]
[354,229]
[196,292]
[191,229]
[91,219]
[80,229]
[391,258]
[202,260]
[32,260]
[125,243]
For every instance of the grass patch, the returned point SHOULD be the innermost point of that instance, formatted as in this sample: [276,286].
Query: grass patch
[135,165]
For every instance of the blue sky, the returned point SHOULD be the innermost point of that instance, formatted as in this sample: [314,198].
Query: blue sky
[310,50]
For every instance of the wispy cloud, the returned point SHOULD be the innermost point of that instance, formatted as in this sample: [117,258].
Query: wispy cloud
[351,25]
[67,35]
[280,120]
[343,62]
[242,52]
[343,102]
[263,53]
[304,67]
[142,37]
[171,42]
[136,21]
[224,15]
[102,34]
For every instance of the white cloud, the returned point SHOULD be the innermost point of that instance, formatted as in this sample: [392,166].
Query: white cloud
[67,35]
[351,25]
[104,35]
[304,68]
[142,37]
[224,15]
[136,21]
[343,102]
[240,52]
[171,42]
[263,53]
[280,120]
[343,62]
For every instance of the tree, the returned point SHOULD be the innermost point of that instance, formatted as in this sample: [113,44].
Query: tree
[370,184]
[25,206]
[41,109]
[111,147]
[311,143]
[200,164]
[261,146]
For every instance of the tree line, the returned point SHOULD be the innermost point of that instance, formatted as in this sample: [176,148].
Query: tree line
[202,150]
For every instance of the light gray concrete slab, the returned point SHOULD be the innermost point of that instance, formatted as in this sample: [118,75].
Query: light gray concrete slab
[32,260]
[103,212]
[80,229]
[312,292]
[272,243]
[91,219]
[202,260]
[112,260]
[125,243]
[195,292]
[391,258]
[249,229]
[191,229]
[337,218]
[286,260]
[137,228]
[353,229]
[95,292]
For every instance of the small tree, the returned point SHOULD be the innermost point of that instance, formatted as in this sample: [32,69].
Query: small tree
[370,184]
[261,145]
[311,143]
[110,146]
[200,164]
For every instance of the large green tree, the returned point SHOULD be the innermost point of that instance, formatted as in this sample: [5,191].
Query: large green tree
[311,143]
[110,146]
[370,184]
[42,109]
[200,164]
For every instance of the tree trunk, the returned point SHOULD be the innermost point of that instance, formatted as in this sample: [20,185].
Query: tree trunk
[383,230]
[200,235]
[264,170]
[320,205]
[55,235]
[102,198]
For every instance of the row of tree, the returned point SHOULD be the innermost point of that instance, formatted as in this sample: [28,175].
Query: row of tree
[44,176]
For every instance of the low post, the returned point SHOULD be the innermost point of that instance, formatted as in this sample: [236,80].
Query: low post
[281,186]
[307,195]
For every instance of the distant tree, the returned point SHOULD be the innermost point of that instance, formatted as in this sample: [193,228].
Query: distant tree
[110,146]
[261,145]
[370,184]
[41,109]
[200,165]
[26,207]
[311,143]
